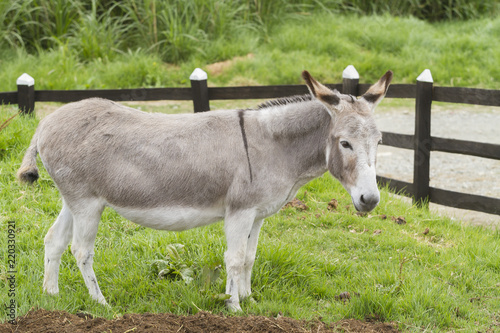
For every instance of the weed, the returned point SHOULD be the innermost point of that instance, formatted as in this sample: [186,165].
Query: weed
[174,265]
[7,121]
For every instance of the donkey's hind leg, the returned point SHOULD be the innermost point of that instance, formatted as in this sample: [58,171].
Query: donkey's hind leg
[85,225]
[56,242]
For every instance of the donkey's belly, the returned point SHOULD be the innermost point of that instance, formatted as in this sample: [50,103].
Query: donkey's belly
[172,218]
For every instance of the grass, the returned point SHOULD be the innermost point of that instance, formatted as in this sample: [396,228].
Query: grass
[447,278]
[464,53]
[175,28]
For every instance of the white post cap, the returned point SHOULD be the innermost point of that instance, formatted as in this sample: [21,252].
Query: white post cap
[426,76]
[350,73]
[198,75]
[25,80]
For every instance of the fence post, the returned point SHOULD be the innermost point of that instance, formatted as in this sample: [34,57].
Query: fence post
[422,141]
[26,94]
[200,90]
[350,81]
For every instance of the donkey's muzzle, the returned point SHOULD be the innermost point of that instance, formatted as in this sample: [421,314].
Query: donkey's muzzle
[367,202]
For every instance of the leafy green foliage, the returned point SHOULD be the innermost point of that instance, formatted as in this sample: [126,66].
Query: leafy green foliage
[174,265]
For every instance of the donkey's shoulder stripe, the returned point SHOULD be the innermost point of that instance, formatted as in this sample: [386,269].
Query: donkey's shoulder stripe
[245,142]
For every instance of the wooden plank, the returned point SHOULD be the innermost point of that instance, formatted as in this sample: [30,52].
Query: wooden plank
[201,103]
[350,86]
[214,93]
[398,186]
[397,140]
[465,201]
[422,141]
[442,94]
[261,92]
[256,92]
[467,96]
[394,91]
[26,99]
[333,86]
[402,91]
[150,94]
[479,149]
[363,87]
[9,97]
[264,92]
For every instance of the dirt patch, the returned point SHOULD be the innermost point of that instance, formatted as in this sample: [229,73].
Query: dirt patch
[219,67]
[59,321]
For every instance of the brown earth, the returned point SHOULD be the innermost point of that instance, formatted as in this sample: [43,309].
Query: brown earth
[219,67]
[59,321]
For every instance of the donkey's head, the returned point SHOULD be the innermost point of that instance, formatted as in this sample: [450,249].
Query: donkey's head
[353,139]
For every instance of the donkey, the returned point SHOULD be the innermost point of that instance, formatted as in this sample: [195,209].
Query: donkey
[176,172]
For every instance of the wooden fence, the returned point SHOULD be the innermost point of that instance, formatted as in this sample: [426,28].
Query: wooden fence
[424,93]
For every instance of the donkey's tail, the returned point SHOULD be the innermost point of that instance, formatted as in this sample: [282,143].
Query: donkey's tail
[28,172]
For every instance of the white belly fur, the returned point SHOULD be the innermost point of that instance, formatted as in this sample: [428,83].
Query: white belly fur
[172,218]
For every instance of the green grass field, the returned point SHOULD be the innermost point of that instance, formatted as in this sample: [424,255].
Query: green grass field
[458,53]
[427,274]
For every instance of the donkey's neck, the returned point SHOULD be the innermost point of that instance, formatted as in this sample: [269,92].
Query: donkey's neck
[301,130]
[294,120]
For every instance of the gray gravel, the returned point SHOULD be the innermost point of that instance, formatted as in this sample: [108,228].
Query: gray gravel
[455,172]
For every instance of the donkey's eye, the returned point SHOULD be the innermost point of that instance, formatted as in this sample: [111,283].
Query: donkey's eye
[345,144]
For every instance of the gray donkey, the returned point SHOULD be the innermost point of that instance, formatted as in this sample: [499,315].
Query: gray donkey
[176,172]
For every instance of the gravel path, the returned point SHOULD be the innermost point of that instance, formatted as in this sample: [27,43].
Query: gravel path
[455,172]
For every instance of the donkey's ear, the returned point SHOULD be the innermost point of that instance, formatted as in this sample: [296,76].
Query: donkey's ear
[322,93]
[377,92]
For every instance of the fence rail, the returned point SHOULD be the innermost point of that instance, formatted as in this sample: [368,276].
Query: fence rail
[422,143]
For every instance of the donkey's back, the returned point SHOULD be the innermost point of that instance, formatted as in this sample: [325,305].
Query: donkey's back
[135,160]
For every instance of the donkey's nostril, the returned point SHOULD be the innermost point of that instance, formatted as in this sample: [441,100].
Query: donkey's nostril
[369,200]
[362,199]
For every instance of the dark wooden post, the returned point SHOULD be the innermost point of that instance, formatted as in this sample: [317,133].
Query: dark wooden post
[422,141]
[26,94]
[200,90]
[350,81]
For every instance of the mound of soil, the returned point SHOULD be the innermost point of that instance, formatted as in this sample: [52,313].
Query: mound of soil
[60,321]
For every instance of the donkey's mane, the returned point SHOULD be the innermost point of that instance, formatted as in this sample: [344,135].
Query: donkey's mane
[285,101]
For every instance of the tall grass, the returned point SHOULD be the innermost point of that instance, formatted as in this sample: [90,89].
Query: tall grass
[430,10]
[178,28]
[457,53]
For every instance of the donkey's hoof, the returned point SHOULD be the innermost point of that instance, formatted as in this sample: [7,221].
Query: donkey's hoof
[101,300]
[51,290]
[251,300]
[233,306]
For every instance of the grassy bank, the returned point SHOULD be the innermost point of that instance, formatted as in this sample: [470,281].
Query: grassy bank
[399,263]
[176,27]
[464,53]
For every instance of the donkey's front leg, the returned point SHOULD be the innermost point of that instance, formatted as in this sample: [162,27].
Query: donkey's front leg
[253,238]
[237,225]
